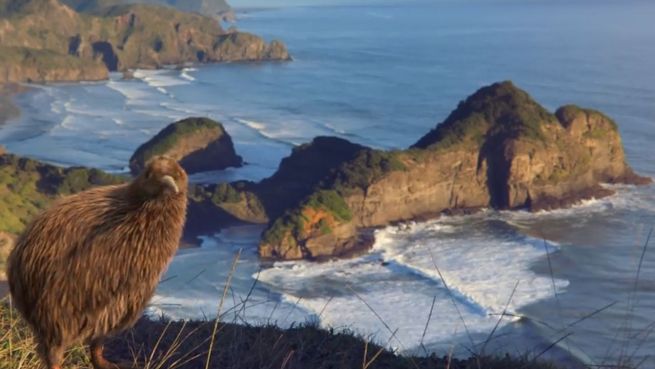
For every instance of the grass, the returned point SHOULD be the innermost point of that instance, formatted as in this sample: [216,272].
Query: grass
[501,109]
[159,344]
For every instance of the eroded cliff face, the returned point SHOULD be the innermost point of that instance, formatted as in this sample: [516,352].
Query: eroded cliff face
[46,41]
[498,149]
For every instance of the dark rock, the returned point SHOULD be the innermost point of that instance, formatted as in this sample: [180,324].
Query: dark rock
[199,144]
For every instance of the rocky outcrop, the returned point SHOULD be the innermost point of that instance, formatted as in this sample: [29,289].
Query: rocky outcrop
[46,41]
[240,46]
[199,144]
[19,64]
[498,149]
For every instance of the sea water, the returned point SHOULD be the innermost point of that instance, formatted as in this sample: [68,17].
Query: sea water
[383,75]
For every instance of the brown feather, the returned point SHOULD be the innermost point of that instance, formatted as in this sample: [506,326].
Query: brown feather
[86,267]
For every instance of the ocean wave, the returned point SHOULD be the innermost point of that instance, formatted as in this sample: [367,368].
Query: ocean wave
[160,78]
[131,91]
[373,299]
[263,130]
[479,267]
[184,73]
[625,198]
[68,122]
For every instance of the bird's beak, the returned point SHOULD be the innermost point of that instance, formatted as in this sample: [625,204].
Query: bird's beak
[170,183]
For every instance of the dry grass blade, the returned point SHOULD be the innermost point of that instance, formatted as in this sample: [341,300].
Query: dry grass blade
[427,323]
[220,307]
[452,299]
[595,312]
[491,334]
[161,336]
[551,346]
[384,323]
[379,352]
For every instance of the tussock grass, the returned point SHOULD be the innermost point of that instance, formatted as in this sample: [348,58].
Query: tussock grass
[185,345]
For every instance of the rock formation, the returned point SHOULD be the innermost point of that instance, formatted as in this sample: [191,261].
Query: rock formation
[498,149]
[199,144]
[46,41]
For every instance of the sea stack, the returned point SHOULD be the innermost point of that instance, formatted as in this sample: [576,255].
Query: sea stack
[199,144]
[498,149]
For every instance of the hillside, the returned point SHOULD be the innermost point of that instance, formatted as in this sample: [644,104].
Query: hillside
[47,41]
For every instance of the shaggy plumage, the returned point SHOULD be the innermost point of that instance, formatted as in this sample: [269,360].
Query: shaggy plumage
[85,268]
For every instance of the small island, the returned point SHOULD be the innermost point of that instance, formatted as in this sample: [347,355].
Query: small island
[498,149]
[199,144]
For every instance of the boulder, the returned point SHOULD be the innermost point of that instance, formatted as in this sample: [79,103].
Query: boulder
[199,144]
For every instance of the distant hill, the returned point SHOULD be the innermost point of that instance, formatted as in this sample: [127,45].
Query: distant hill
[47,41]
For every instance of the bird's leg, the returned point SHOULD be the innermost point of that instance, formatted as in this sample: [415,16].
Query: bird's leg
[98,360]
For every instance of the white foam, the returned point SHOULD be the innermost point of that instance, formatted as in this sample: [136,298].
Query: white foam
[160,78]
[194,283]
[185,74]
[480,266]
[280,134]
[481,271]
[374,300]
[131,91]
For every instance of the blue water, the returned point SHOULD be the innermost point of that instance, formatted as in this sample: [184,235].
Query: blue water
[383,76]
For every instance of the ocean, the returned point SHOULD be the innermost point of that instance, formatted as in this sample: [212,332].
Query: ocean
[565,282]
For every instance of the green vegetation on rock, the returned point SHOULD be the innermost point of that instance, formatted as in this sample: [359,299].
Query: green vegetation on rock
[366,168]
[332,202]
[225,193]
[28,186]
[169,137]
[501,109]
[199,144]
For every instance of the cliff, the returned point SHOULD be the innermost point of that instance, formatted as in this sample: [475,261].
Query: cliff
[199,144]
[46,41]
[498,149]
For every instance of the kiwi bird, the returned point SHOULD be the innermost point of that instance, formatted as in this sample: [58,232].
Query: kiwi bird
[85,268]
